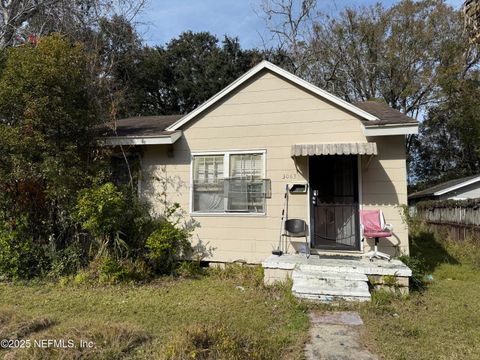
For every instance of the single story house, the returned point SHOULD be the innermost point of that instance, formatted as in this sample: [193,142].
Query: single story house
[458,189]
[228,164]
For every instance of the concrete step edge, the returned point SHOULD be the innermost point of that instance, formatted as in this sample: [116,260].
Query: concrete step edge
[328,275]
[332,298]
[329,291]
[331,284]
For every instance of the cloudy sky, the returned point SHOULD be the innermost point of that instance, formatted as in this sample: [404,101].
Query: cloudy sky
[163,20]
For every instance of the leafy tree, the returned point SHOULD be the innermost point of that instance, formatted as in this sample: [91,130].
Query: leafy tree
[448,145]
[118,51]
[396,54]
[23,20]
[414,56]
[14,13]
[45,134]
[189,70]
[471,10]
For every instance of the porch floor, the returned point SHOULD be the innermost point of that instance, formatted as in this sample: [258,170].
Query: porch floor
[350,264]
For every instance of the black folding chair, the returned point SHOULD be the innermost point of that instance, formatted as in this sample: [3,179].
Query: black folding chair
[298,228]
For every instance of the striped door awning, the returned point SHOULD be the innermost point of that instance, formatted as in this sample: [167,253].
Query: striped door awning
[350,148]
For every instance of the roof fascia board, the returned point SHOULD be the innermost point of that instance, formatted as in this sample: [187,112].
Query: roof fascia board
[283,73]
[386,130]
[458,186]
[139,140]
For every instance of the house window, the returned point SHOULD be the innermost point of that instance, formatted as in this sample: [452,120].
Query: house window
[229,183]
[208,183]
[244,188]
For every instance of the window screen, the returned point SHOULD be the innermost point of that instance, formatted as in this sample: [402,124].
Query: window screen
[229,183]
[246,166]
[245,187]
[208,183]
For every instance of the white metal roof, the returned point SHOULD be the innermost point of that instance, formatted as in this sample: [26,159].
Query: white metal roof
[458,186]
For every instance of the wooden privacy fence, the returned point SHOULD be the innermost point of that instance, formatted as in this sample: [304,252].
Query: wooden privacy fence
[460,219]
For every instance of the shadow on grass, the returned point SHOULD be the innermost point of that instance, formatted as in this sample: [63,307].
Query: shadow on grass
[424,245]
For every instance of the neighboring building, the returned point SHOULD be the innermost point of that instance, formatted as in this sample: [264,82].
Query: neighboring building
[228,162]
[458,189]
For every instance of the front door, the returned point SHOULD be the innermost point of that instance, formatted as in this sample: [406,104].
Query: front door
[334,200]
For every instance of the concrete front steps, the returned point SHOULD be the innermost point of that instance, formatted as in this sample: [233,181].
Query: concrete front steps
[316,283]
[329,278]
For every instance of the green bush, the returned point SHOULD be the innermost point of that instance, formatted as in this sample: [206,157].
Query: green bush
[189,269]
[81,278]
[66,261]
[418,267]
[382,297]
[100,209]
[20,257]
[108,270]
[117,219]
[166,246]
[137,222]
[112,271]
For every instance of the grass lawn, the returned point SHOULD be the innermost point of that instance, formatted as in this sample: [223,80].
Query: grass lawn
[228,312]
[230,315]
[443,322]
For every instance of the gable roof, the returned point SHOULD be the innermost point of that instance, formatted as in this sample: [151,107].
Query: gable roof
[445,187]
[386,114]
[282,73]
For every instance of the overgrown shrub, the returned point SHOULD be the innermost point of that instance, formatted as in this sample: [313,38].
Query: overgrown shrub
[117,219]
[418,267]
[108,270]
[100,210]
[48,111]
[66,261]
[189,269]
[166,246]
[382,297]
[112,271]
[20,256]
[137,222]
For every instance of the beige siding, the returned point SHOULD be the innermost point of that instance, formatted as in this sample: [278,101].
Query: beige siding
[384,186]
[271,114]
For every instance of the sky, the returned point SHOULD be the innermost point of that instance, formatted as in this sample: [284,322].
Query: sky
[162,20]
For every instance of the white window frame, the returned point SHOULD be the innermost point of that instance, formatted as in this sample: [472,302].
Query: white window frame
[226,171]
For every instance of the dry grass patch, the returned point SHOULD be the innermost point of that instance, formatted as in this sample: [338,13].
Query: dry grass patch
[215,341]
[13,326]
[258,322]
[440,322]
[109,341]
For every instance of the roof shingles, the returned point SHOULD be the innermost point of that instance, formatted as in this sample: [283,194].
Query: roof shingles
[386,114]
[140,126]
[152,126]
